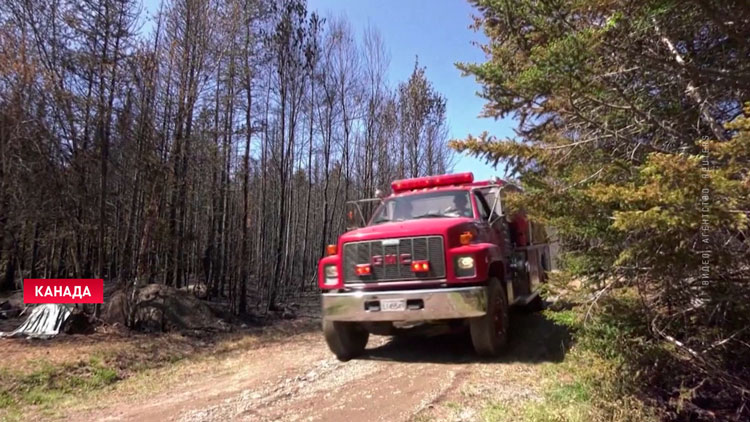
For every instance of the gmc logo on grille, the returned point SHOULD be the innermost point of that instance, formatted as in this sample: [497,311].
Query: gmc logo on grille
[390,259]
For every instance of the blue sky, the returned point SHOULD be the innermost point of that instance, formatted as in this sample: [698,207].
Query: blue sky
[437,32]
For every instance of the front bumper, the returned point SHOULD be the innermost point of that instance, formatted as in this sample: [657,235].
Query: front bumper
[422,305]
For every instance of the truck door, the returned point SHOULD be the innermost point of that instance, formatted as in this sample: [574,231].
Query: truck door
[497,223]
[495,235]
[513,242]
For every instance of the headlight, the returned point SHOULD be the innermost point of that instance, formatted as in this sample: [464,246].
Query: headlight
[331,271]
[465,262]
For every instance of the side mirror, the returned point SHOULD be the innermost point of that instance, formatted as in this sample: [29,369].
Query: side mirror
[354,216]
[496,212]
[379,194]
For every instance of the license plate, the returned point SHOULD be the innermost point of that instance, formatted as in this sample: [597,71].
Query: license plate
[393,305]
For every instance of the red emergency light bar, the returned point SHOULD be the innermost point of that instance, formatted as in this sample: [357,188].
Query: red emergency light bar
[432,181]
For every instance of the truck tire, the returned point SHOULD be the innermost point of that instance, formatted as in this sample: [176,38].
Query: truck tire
[489,333]
[346,340]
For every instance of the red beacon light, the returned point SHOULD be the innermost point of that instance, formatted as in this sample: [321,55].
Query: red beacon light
[432,181]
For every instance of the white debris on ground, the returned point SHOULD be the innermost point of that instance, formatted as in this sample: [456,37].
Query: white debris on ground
[45,321]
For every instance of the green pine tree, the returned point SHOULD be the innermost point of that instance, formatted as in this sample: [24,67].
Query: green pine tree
[633,142]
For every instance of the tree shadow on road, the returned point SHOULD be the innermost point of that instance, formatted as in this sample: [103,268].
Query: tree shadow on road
[533,339]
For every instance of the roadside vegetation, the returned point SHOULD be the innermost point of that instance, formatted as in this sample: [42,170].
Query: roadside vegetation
[634,142]
[587,385]
[45,379]
[50,384]
[33,381]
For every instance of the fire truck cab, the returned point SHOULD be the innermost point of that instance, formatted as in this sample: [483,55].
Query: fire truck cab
[438,250]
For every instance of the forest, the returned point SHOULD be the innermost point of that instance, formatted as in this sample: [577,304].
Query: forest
[216,143]
[212,141]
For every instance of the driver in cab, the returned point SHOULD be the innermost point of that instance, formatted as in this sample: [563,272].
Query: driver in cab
[460,207]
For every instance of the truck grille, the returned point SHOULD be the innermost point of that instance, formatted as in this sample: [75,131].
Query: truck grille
[391,258]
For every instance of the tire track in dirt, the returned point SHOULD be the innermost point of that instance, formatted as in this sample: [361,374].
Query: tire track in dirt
[298,379]
[218,381]
[390,392]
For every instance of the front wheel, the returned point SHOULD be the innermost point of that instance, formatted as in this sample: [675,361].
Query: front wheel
[346,340]
[489,333]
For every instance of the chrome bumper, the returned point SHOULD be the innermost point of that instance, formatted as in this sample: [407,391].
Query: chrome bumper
[422,305]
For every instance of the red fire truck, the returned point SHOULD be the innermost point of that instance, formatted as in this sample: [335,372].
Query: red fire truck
[438,250]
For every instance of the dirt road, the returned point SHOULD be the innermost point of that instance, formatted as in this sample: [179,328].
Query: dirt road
[298,379]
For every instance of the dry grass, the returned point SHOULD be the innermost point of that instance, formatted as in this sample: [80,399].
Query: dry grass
[581,386]
[585,386]
[40,377]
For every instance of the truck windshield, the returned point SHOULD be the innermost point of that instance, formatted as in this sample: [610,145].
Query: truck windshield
[428,205]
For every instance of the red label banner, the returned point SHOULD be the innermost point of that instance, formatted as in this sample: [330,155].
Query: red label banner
[63,290]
